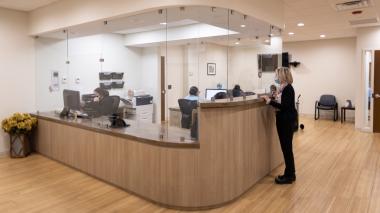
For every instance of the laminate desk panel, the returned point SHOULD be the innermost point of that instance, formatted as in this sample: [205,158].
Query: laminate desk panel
[237,147]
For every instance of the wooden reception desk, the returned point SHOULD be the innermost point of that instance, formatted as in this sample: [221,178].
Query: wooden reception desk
[237,147]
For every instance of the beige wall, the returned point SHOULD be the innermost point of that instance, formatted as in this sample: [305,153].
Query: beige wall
[327,67]
[17,81]
[73,12]
[367,39]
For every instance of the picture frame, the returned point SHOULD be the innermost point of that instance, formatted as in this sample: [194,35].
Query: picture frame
[211,68]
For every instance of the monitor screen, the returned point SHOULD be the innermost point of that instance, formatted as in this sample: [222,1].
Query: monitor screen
[212,92]
[71,99]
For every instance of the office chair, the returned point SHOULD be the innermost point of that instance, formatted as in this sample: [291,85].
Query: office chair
[109,105]
[186,107]
[326,102]
[115,103]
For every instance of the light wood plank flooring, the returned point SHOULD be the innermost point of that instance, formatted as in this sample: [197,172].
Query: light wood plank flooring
[338,170]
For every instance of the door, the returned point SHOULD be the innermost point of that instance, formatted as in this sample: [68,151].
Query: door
[376,93]
[163,89]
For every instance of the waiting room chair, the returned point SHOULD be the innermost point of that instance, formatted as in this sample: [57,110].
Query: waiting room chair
[326,102]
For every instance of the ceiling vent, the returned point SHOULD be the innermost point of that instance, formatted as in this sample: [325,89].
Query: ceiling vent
[361,22]
[353,5]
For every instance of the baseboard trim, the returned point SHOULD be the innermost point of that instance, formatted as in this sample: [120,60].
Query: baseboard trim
[327,117]
[4,154]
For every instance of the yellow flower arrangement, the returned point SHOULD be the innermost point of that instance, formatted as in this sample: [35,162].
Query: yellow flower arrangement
[19,123]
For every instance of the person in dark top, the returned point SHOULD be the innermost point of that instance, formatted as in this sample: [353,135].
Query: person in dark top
[285,117]
[273,91]
[236,91]
[102,104]
[220,95]
[193,94]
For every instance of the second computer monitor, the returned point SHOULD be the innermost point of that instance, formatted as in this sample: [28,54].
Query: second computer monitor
[71,99]
[212,92]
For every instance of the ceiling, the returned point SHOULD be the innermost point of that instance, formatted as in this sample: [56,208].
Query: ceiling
[179,20]
[320,17]
[24,5]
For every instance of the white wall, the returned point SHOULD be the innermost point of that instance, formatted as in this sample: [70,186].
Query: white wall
[197,58]
[84,55]
[327,67]
[243,67]
[17,80]
[367,39]
[175,75]
[150,77]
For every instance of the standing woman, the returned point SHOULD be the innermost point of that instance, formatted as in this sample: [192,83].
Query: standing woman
[285,118]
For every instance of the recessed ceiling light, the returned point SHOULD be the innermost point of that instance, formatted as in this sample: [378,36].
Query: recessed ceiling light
[243,25]
[163,23]
[237,43]
[271,34]
[300,24]
[323,36]
[267,41]
[291,33]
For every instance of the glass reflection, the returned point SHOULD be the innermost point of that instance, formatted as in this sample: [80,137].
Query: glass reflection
[140,67]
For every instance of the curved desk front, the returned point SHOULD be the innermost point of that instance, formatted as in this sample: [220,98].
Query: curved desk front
[237,147]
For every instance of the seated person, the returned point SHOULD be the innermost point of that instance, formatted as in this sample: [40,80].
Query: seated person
[236,91]
[273,91]
[193,94]
[220,95]
[102,104]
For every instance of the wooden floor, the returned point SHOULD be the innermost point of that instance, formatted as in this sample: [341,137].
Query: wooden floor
[338,170]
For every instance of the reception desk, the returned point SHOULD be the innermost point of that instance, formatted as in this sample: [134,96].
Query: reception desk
[237,146]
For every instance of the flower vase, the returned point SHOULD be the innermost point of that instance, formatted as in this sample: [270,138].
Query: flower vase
[19,145]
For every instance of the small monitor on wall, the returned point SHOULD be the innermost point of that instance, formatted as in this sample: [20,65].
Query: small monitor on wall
[212,92]
[285,59]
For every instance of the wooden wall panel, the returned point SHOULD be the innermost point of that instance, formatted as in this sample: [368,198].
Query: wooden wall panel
[237,148]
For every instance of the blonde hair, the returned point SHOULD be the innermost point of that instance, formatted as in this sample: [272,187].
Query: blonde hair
[284,75]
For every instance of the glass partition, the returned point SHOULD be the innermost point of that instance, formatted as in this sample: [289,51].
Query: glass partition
[151,60]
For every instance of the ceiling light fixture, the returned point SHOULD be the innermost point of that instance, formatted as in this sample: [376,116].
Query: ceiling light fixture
[300,24]
[163,23]
[267,41]
[242,26]
[238,41]
[323,36]
[291,33]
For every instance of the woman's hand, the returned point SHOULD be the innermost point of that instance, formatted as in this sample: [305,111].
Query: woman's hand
[266,98]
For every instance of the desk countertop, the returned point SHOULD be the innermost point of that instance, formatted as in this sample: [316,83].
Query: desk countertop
[143,132]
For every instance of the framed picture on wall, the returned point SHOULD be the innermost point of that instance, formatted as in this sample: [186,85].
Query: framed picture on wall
[211,69]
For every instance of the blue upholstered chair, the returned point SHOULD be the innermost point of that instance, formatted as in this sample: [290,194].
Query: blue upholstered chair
[326,102]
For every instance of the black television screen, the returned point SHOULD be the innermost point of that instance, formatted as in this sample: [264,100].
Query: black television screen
[285,59]
[268,62]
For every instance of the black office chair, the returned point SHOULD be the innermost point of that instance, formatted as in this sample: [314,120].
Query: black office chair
[186,107]
[116,103]
[326,102]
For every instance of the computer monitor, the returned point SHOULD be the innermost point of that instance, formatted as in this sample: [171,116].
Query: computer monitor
[212,92]
[71,99]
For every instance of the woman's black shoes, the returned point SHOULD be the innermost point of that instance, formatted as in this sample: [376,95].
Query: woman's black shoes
[282,179]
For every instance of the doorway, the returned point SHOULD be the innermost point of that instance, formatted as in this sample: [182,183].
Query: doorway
[376,93]
[368,88]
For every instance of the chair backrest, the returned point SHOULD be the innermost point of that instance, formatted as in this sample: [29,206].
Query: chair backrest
[327,100]
[115,103]
[186,107]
